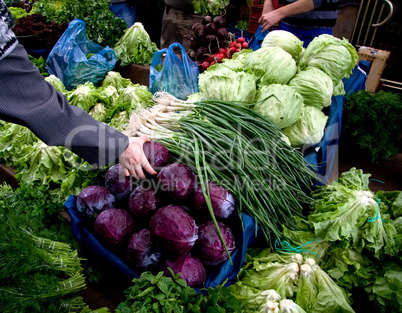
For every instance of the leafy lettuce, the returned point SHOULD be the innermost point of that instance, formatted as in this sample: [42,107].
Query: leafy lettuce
[135,46]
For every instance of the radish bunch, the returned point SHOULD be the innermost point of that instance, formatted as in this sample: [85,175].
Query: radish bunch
[210,42]
[217,57]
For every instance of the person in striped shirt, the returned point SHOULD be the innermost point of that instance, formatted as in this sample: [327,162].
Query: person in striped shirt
[306,19]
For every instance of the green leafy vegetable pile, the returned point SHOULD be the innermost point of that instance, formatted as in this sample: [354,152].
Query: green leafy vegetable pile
[268,277]
[102,26]
[38,273]
[359,237]
[372,124]
[158,293]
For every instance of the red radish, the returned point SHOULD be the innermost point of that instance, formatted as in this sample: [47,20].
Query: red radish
[245,45]
[205,65]
[241,39]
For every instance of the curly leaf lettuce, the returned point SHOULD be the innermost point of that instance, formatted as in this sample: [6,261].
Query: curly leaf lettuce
[317,292]
[387,289]
[135,46]
[209,7]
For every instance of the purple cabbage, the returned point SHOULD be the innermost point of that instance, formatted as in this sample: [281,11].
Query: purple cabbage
[143,253]
[223,202]
[143,201]
[211,251]
[93,200]
[174,228]
[157,154]
[177,180]
[115,226]
[117,183]
[190,269]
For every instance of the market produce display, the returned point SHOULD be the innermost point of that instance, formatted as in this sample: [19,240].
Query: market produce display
[167,230]
[102,26]
[230,172]
[237,148]
[284,82]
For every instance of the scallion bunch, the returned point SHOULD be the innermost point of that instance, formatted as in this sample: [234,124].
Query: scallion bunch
[232,145]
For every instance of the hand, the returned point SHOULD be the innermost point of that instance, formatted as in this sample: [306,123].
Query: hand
[270,19]
[133,160]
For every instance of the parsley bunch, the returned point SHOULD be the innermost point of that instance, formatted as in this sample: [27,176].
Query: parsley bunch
[372,124]
[159,293]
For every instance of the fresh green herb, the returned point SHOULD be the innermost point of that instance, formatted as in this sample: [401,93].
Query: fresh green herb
[18,12]
[243,25]
[37,274]
[159,293]
[102,26]
[372,124]
[40,63]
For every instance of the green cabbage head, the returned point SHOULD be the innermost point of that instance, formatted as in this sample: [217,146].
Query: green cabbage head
[286,40]
[280,103]
[336,57]
[221,83]
[271,65]
[309,129]
[315,86]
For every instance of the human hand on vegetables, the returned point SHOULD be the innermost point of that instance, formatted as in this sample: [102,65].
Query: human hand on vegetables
[133,159]
[269,19]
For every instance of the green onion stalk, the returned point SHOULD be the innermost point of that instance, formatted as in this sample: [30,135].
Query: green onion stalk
[237,148]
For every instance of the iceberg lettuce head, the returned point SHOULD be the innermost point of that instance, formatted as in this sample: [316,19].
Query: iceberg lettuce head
[309,129]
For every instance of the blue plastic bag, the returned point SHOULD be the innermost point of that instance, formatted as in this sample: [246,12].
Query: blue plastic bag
[175,75]
[321,156]
[217,274]
[75,59]
[258,38]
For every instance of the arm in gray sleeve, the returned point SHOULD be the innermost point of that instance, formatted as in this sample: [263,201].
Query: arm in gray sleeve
[26,98]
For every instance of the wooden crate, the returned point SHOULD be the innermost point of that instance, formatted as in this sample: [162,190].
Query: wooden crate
[378,60]
[255,14]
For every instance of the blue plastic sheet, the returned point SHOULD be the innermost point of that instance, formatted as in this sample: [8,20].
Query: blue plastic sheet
[76,60]
[321,156]
[216,274]
[358,78]
[177,75]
